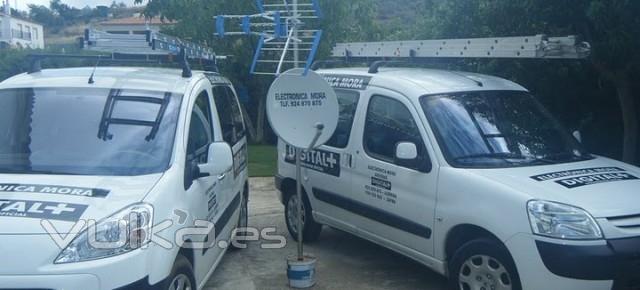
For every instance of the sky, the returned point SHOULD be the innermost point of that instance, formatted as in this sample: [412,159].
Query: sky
[22,4]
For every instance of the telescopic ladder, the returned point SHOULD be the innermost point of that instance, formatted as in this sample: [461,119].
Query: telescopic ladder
[149,43]
[538,46]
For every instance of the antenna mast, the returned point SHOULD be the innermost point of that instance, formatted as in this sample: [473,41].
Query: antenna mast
[287,38]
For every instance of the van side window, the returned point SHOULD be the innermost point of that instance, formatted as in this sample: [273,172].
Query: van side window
[388,123]
[348,101]
[230,114]
[200,130]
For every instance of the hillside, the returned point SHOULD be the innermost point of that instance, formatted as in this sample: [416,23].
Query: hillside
[398,11]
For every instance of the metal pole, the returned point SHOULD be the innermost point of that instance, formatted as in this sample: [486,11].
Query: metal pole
[296,58]
[296,53]
[299,205]
[319,128]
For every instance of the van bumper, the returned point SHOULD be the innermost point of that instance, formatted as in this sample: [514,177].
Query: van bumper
[63,282]
[617,260]
[535,275]
[28,264]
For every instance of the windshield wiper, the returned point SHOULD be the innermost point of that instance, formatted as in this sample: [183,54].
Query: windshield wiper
[566,156]
[509,157]
[491,155]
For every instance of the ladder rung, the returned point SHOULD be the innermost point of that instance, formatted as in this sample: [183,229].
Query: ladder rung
[284,43]
[292,49]
[277,61]
[291,11]
[283,5]
[139,99]
[119,121]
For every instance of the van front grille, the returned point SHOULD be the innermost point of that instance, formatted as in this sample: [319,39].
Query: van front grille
[626,222]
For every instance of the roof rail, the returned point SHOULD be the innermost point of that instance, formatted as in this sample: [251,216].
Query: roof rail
[35,61]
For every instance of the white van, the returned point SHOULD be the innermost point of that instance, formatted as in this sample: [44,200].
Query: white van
[469,175]
[110,181]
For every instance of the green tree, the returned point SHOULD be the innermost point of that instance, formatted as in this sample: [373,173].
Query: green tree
[611,26]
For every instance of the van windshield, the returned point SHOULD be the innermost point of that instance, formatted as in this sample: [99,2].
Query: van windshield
[80,131]
[494,129]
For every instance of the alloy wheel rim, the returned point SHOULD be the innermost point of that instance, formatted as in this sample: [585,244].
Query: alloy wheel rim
[180,282]
[482,272]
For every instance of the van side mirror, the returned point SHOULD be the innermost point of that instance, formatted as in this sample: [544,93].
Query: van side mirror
[407,156]
[219,161]
[577,135]
[406,151]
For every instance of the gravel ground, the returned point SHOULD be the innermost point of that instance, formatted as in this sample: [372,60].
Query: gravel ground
[344,261]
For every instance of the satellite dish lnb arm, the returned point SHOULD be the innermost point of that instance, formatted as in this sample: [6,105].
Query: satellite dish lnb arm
[319,128]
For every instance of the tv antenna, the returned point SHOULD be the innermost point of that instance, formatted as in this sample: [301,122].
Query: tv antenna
[287,37]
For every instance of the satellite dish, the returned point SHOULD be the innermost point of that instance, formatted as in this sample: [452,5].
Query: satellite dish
[298,105]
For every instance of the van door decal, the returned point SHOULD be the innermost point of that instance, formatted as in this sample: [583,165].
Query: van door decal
[575,172]
[54,189]
[381,185]
[240,160]
[348,82]
[595,179]
[222,222]
[323,161]
[212,202]
[373,213]
[41,210]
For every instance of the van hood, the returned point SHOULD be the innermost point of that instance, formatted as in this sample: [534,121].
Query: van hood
[27,200]
[603,187]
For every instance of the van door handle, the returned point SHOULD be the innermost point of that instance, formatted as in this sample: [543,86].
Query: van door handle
[348,162]
[224,174]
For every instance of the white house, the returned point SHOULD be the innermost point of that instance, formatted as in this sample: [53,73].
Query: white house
[133,25]
[19,33]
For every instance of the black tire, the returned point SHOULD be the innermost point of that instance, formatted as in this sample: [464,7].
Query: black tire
[182,268]
[243,222]
[310,229]
[483,253]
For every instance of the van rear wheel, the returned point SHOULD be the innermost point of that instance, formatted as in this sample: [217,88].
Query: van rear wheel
[310,228]
[483,264]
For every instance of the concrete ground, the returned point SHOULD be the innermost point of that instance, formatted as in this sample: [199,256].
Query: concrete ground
[344,261]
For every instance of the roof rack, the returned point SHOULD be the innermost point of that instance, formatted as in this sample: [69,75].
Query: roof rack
[149,48]
[414,51]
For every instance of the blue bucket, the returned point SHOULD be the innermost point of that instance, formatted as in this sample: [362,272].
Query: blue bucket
[301,274]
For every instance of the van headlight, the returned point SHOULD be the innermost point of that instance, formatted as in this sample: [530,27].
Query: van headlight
[561,221]
[125,231]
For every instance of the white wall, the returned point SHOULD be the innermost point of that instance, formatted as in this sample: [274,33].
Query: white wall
[26,34]
[128,29]
[5,28]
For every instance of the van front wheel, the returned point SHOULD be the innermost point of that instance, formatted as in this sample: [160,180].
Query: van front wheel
[483,264]
[310,228]
[181,277]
